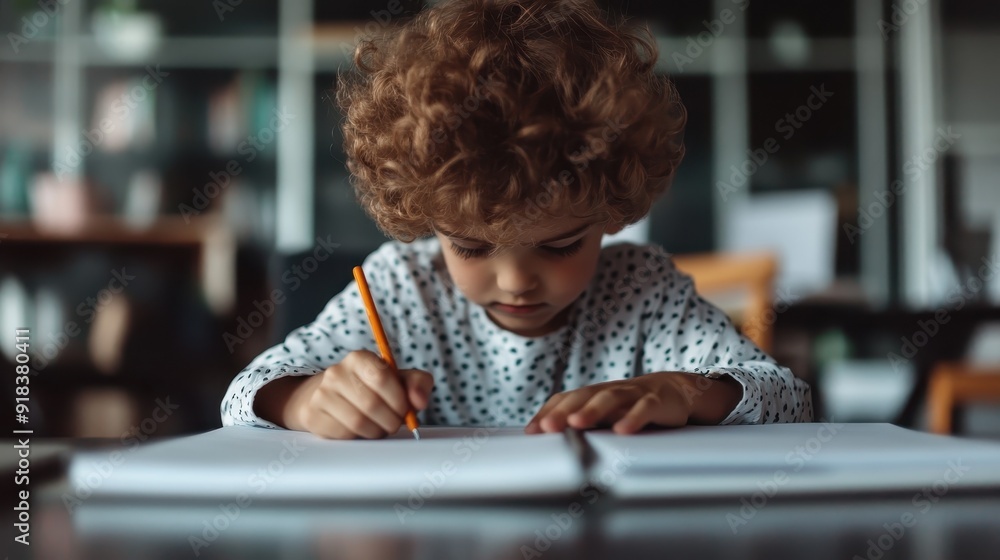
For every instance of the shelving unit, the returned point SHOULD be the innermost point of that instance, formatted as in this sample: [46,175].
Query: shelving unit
[302,48]
[737,66]
[186,266]
[284,50]
[209,238]
[298,189]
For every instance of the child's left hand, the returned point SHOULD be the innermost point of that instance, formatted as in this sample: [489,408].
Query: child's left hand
[664,399]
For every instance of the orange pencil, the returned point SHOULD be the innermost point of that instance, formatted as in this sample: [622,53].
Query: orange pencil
[383,342]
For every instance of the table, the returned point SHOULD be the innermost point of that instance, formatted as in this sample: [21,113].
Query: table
[922,526]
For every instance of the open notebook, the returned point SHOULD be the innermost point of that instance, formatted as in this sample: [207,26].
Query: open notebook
[493,463]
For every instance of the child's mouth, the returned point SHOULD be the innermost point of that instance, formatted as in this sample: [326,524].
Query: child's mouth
[517,309]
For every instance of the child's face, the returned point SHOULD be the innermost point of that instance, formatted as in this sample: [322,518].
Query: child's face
[527,288]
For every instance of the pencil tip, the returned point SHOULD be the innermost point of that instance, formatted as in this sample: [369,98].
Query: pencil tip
[416,434]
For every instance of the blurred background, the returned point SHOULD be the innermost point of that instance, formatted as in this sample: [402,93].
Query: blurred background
[173,197]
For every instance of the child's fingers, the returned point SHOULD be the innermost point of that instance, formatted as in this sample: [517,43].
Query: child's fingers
[418,385]
[650,410]
[553,419]
[376,375]
[320,420]
[638,416]
[534,426]
[602,406]
[372,405]
[353,419]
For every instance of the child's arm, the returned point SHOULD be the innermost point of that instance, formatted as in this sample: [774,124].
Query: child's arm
[272,400]
[317,380]
[699,369]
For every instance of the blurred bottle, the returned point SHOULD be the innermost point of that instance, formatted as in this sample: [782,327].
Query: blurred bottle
[14,171]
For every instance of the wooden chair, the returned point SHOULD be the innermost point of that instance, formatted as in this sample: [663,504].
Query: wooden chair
[749,277]
[953,384]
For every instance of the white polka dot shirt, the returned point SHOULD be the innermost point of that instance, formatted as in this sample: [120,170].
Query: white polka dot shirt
[638,315]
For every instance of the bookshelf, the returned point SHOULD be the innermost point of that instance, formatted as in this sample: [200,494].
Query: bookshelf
[739,72]
[301,45]
[209,238]
[229,70]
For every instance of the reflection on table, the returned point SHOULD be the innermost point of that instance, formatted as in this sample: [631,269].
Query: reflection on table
[954,526]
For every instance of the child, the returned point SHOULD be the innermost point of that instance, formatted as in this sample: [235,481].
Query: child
[498,141]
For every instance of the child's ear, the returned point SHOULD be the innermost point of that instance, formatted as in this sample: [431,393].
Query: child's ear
[611,229]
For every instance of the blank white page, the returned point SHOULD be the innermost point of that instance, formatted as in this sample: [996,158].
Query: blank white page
[282,464]
[788,458]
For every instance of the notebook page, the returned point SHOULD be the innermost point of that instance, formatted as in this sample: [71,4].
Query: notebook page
[791,458]
[282,464]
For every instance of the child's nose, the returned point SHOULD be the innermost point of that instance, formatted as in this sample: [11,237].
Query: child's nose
[516,278]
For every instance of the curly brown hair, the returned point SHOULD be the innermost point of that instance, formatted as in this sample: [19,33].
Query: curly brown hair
[482,115]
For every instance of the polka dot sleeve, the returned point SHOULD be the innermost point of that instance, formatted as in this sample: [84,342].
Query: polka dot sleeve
[340,328]
[692,335]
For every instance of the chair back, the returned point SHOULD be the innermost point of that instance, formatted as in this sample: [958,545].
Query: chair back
[741,284]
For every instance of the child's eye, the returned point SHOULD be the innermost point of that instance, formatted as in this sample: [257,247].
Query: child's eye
[477,252]
[567,250]
[467,253]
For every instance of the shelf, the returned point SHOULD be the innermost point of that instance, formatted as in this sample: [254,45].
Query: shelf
[113,230]
[332,45]
[208,235]
[825,55]
[173,52]
[191,52]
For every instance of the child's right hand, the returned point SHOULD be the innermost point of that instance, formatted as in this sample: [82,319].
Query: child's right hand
[359,397]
